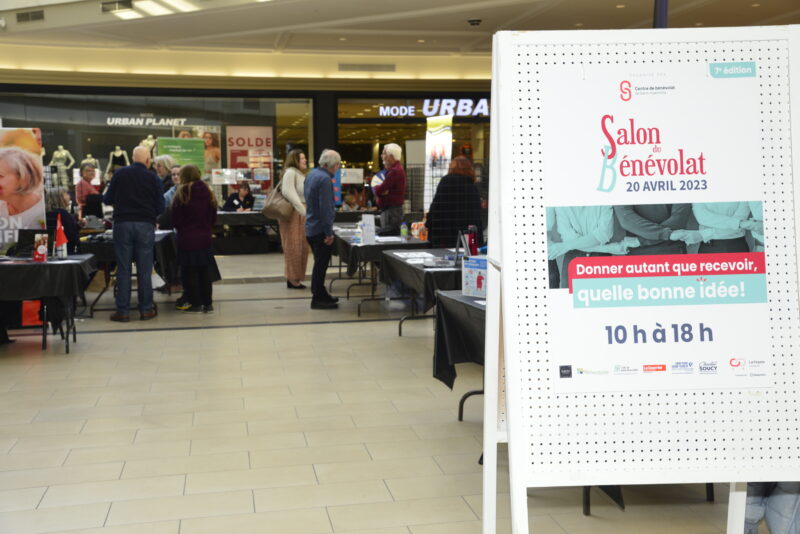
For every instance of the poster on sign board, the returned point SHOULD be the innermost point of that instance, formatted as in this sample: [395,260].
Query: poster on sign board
[185,151]
[21,183]
[249,146]
[655,220]
[438,146]
[210,134]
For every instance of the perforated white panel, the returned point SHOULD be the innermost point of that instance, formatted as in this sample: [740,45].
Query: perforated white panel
[648,437]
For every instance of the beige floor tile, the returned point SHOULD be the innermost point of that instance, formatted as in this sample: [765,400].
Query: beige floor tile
[376,469]
[396,394]
[417,512]
[303,399]
[311,521]
[127,452]
[116,490]
[186,464]
[21,499]
[32,460]
[360,435]
[250,443]
[390,530]
[66,414]
[321,495]
[437,486]
[454,464]
[53,519]
[449,429]
[329,410]
[265,477]
[18,417]
[260,428]
[140,422]
[74,441]
[162,527]
[190,506]
[405,418]
[229,430]
[32,478]
[424,447]
[194,406]
[309,455]
[40,429]
[243,416]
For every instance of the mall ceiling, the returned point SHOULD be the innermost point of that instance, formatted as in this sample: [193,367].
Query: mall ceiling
[363,27]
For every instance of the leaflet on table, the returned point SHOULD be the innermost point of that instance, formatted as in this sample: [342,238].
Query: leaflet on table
[656,228]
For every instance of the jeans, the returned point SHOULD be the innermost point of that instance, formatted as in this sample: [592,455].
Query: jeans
[322,257]
[778,502]
[134,241]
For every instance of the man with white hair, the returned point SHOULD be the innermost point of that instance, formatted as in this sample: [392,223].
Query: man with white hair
[138,199]
[320,210]
[391,193]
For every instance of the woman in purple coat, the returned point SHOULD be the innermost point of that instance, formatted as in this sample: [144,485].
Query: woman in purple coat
[194,211]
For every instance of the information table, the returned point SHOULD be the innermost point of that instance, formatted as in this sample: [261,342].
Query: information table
[402,266]
[54,279]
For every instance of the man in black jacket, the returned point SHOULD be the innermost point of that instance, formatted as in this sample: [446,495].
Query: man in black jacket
[138,198]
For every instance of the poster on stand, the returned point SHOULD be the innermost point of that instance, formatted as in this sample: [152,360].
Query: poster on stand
[438,146]
[655,227]
[210,134]
[185,151]
[249,147]
[21,183]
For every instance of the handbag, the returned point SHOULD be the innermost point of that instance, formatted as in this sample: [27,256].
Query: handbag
[276,205]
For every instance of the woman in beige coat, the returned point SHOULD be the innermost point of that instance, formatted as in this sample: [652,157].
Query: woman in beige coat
[293,233]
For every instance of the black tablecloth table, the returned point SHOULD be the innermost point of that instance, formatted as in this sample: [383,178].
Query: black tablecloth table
[244,218]
[246,233]
[54,279]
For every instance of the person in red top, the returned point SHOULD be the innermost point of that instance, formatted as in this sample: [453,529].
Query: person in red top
[85,188]
[194,211]
[391,193]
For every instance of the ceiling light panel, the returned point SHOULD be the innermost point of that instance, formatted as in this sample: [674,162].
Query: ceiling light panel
[180,5]
[152,8]
[127,15]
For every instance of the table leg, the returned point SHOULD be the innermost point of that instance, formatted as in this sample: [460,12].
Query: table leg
[464,398]
[107,279]
[44,326]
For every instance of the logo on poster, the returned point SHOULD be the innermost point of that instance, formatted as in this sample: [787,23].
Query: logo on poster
[682,368]
[736,362]
[707,368]
[625,93]
[584,371]
[565,371]
[625,370]
[654,368]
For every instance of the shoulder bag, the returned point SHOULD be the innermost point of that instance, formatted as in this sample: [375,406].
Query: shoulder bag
[276,205]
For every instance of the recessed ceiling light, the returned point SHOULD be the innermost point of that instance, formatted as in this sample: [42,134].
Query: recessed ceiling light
[579,24]
[420,40]
[342,38]
[127,14]
[755,5]
[698,23]
[620,6]
[151,8]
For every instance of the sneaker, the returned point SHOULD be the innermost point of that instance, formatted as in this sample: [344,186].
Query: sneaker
[323,305]
[120,317]
[208,309]
[331,298]
[193,309]
[181,304]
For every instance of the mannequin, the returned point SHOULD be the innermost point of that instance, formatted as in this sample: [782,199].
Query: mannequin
[90,159]
[63,161]
[149,142]
[117,158]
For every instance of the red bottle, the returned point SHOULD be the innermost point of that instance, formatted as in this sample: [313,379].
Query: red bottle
[472,239]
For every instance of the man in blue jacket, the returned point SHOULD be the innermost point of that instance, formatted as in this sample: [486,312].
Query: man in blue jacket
[320,210]
[138,198]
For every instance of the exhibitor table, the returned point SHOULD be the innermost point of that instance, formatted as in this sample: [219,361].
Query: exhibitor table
[460,337]
[399,265]
[54,279]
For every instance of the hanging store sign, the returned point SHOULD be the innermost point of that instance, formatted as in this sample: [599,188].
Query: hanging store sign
[414,108]
[158,122]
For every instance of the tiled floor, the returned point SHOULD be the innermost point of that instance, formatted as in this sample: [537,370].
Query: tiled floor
[251,420]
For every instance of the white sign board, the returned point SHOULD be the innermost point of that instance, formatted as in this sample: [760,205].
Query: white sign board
[649,273]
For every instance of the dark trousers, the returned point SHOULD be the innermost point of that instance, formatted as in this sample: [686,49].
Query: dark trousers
[197,288]
[322,257]
[717,246]
[134,241]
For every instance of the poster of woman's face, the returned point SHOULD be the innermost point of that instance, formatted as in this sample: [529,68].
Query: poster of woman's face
[21,183]
[210,134]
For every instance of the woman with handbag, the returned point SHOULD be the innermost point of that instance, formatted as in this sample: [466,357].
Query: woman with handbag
[293,235]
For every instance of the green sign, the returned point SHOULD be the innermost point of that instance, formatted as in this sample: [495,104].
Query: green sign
[185,151]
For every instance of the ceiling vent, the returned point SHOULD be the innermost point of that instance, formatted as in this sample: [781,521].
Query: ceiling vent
[367,67]
[30,16]
[116,5]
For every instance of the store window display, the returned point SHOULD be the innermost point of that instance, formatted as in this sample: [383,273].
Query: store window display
[63,161]
[91,160]
[149,142]
[117,158]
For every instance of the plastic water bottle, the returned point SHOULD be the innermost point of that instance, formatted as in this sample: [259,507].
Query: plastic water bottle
[403,230]
[358,236]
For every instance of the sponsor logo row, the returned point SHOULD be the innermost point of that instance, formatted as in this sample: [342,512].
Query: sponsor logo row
[739,367]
